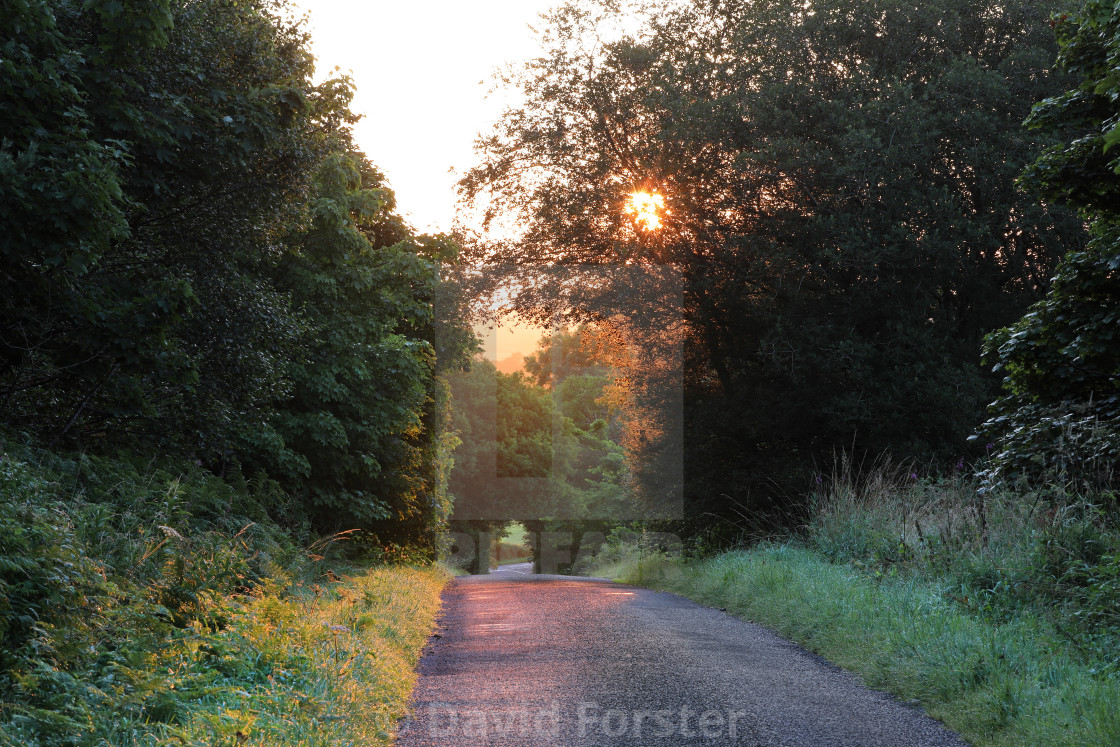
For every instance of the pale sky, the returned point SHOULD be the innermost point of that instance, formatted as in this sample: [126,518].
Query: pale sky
[423,69]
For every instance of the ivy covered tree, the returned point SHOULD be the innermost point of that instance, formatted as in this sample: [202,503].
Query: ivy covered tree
[1059,417]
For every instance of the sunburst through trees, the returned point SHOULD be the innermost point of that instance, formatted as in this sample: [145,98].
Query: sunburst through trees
[839,266]
[646,208]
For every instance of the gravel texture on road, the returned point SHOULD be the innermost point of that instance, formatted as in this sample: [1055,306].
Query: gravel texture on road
[533,660]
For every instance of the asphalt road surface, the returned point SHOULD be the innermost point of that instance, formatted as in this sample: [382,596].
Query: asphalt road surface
[555,660]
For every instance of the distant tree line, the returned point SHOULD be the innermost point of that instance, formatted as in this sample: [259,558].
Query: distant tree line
[542,446]
[198,262]
[840,185]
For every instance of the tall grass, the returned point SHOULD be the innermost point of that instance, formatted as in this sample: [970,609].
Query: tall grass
[324,665]
[145,604]
[1047,552]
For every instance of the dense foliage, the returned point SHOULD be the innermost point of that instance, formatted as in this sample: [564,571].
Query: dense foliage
[200,271]
[144,320]
[100,562]
[198,262]
[147,603]
[357,428]
[1059,418]
[840,201]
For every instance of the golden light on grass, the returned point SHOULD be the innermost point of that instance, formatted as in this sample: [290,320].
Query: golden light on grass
[647,208]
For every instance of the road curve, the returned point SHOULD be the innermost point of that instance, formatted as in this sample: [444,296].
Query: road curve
[555,660]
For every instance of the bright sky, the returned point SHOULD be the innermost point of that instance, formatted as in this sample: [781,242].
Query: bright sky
[423,69]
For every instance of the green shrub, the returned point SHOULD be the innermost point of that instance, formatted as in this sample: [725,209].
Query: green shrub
[150,603]
[997,554]
[107,570]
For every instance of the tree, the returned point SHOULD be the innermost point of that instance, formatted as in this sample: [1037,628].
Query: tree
[198,263]
[180,142]
[561,355]
[515,457]
[352,428]
[839,199]
[547,456]
[1059,416]
[63,207]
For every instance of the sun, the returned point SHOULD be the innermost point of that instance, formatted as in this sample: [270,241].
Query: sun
[647,208]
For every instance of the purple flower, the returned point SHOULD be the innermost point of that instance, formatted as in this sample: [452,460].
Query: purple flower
[990,446]
[913,475]
[960,463]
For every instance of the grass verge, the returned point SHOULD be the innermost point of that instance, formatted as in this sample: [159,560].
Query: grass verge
[1015,682]
[327,665]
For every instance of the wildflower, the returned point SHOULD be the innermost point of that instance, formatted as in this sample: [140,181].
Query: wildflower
[913,475]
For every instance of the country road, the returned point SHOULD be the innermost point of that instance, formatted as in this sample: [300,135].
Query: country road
[555,660]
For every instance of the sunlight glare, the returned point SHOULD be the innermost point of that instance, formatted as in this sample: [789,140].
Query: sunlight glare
[646,208]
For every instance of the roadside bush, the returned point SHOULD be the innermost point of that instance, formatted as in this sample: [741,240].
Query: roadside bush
[997,554]
[106,572]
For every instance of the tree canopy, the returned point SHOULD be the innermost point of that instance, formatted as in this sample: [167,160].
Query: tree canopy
[198,261]
[1059,416]
[536,453]
[839,198]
